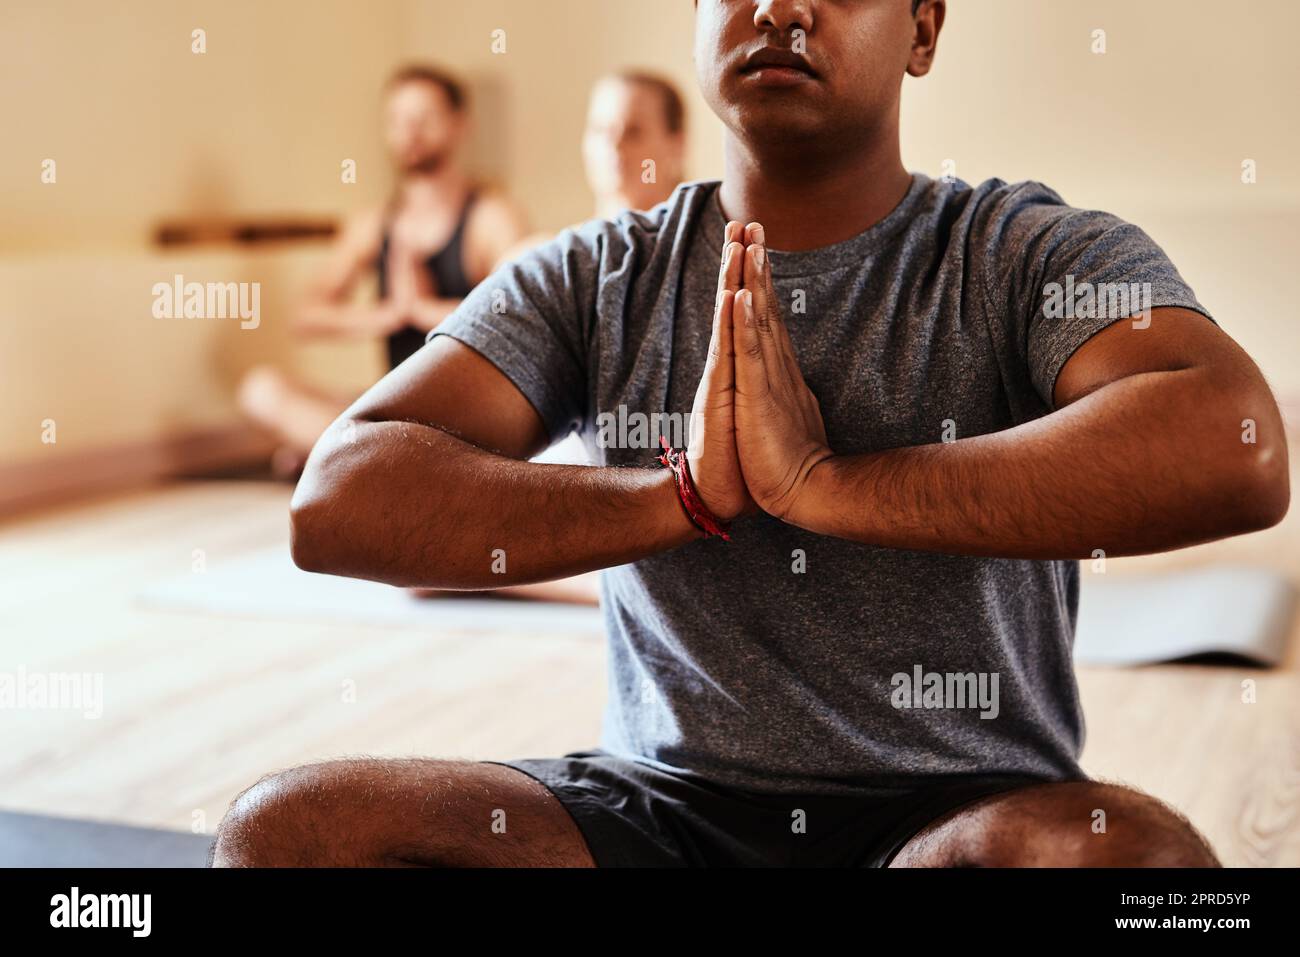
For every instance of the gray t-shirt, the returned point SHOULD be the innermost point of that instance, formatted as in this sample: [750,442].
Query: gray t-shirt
[786,661]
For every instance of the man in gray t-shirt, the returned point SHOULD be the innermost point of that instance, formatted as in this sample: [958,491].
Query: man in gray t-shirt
[912,405]
[769,662]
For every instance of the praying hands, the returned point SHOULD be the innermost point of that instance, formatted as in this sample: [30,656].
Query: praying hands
[757,427]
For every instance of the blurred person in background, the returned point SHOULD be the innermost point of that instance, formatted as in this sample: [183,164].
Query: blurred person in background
[436,237]
[634,145]
[434,240]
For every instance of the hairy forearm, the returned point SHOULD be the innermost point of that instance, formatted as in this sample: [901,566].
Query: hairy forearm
[1148,463]
[411,505]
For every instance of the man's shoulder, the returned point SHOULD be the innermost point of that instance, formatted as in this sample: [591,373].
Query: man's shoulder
[994,197]
[632,227]
[1011,224]
[623,247]
[1005,209]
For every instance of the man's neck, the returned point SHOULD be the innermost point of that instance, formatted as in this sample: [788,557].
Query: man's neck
[807,199]
[444,186]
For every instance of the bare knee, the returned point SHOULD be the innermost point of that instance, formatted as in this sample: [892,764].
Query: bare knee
[1068,824]
[415,812]
[281,821]
[1088,824]
[260,391]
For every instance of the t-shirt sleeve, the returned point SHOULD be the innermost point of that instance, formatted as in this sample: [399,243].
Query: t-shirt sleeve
[1056,276]
[532,320]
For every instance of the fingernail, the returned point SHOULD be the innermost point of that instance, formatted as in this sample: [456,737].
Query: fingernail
[760,238]
[747,307]
[759,255]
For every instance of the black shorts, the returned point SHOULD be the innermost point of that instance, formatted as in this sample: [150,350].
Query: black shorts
[635,815]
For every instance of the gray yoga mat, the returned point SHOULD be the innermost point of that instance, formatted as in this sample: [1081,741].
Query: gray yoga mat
[35,840]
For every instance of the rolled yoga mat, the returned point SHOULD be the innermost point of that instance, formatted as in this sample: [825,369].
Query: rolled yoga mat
[35,840]
[1245,613]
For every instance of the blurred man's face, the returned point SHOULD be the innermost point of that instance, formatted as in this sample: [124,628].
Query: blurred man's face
[626,125]
[420,127]
[847,78]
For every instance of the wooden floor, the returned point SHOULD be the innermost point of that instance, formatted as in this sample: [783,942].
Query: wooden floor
[197,706]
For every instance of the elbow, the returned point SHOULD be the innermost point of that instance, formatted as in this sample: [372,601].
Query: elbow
[331,515]
[1263,489]
[306,533]
[320,497]
[1272,502]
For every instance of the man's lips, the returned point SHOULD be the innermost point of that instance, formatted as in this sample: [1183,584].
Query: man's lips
[778,76]
[774,67]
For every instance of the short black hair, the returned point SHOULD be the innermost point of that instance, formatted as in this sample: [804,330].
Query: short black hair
[435,76]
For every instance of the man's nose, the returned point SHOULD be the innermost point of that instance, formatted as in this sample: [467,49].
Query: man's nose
[783,16]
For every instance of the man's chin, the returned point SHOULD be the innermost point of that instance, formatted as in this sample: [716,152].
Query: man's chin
[782,130]
[423,165]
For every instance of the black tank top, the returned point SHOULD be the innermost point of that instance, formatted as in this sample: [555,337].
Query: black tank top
[447,269]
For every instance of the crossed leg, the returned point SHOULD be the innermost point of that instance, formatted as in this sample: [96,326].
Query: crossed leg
[292,412]
[1066,824]
[399,813]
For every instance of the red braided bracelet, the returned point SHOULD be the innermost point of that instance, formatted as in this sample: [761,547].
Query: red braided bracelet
[694,506]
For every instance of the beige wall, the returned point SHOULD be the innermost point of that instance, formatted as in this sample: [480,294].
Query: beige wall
[141,128]
[1154,130]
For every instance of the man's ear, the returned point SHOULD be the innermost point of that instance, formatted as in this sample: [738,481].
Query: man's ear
[929,21]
